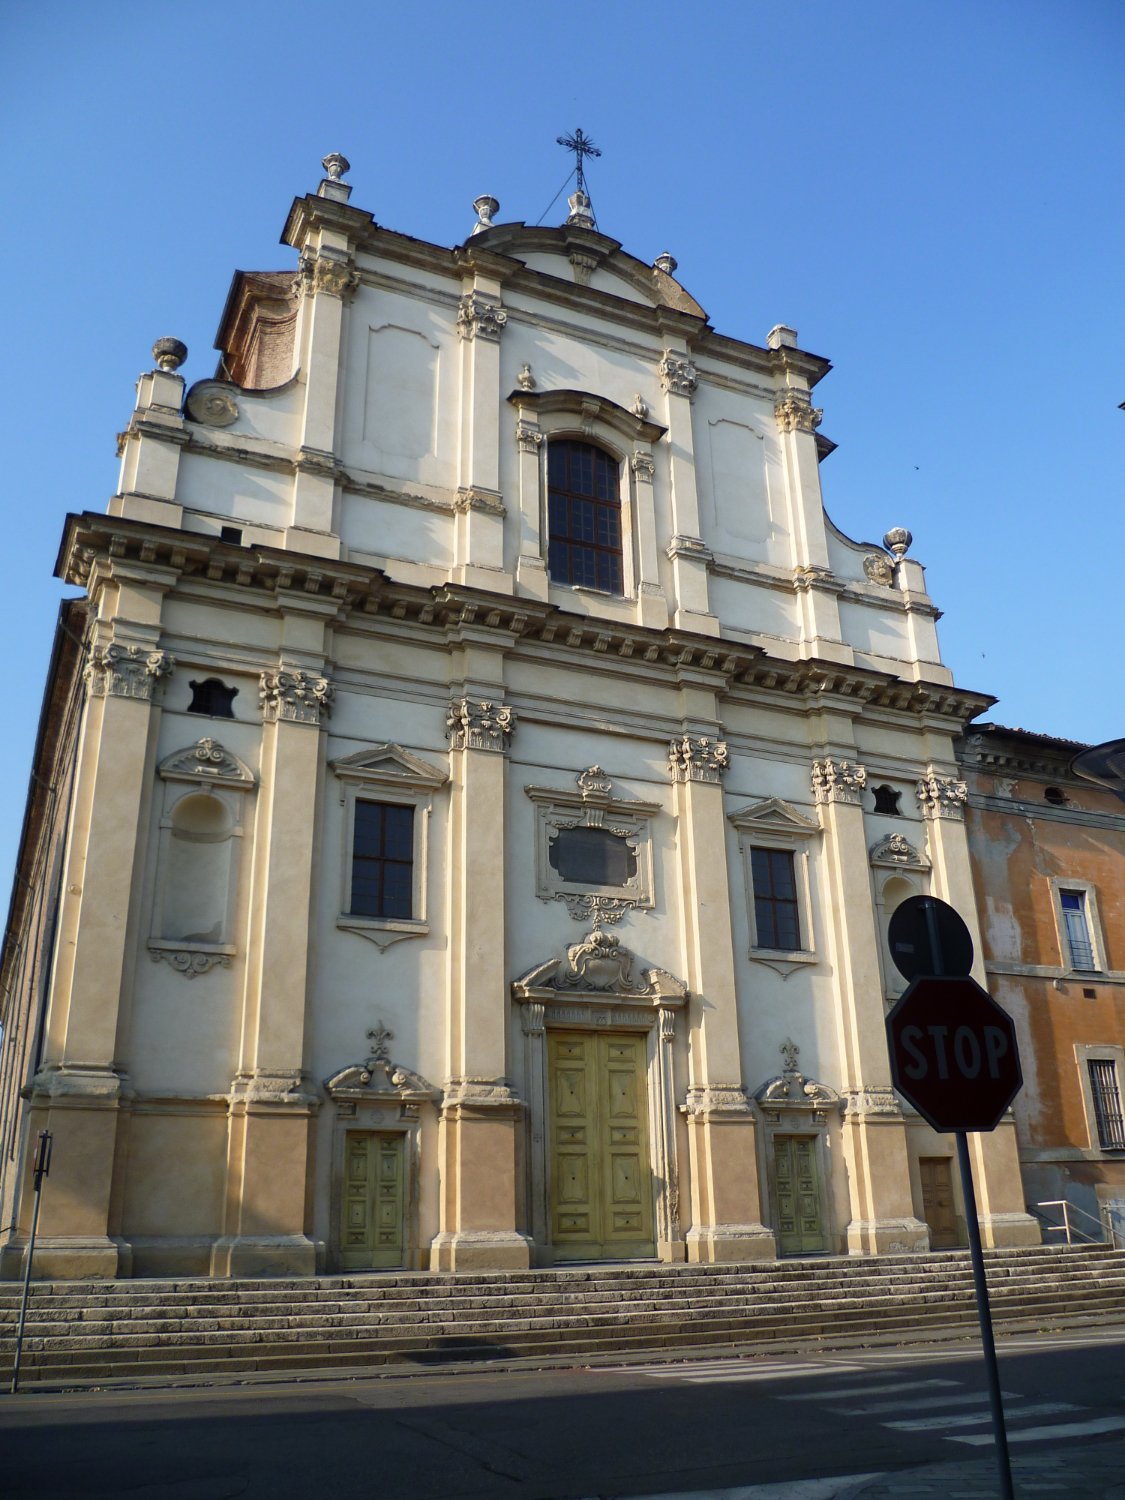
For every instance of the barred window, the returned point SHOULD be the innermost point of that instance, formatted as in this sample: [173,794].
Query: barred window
[1078,940]
[1107,1103]
[775,899]
[584,517]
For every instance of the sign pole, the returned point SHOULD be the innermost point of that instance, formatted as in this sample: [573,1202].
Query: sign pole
[984,1313]
[41,1167]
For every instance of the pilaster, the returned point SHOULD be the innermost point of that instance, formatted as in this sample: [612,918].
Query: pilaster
[531,566]
[689,555]
[873,1132]
[725,1199]
[481,1116]
[479,534]
[150,446]
[819,611]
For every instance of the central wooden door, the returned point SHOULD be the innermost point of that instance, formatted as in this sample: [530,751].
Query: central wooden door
[800,1214]
[938,1207]
[372,1234]
[601,1178]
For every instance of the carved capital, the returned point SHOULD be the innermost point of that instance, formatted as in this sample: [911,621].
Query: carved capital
[125,671]
[796,413]
[942,796]
[872,1099]
[697,758]
[320,273]
[487,502]
[838,781]
[643,467]
[295,697]
[717,1099]
[479,724]
[478,318]
[678,376]
[528,436]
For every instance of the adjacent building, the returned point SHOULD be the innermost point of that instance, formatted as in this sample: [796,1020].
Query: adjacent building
[472,792]
[1048,852]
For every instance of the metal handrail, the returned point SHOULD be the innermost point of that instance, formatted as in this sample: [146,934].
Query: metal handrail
[1073,1230]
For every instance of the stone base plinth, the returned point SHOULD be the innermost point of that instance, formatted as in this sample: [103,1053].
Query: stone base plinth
[67,1258]
[253,1256]
[887,1237]
[480,1250]
[730,1242]
[998,1231]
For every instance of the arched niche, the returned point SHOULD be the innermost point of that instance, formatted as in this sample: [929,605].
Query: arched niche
[898,871]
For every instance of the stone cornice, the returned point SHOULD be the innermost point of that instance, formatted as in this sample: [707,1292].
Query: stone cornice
[92,540]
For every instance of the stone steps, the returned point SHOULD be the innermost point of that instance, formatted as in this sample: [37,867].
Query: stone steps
[86,1331]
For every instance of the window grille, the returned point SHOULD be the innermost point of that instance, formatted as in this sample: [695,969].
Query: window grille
[1107,1103]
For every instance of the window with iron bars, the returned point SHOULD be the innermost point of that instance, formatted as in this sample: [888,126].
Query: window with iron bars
[1078,938]
[1107,1103]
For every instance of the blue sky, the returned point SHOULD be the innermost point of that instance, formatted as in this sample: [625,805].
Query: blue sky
[929,192]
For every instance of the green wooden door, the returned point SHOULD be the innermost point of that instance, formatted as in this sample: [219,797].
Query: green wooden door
[601,1179]
[800,1214]
[373,1232]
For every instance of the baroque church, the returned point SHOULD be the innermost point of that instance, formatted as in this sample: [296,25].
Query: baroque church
[471,793]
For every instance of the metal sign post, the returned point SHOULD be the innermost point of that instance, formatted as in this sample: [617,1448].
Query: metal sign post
[954,1058]
[40,1167]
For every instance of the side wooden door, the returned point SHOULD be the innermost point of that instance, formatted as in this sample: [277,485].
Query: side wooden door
[800,1214]
[938,1207]
[373,1231]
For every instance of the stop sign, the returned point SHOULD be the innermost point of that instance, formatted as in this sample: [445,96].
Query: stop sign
[953,1054]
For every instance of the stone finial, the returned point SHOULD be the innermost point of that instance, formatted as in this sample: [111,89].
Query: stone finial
[581,214]
[484,207]
[525,379]
[666,262]
[169,354]
[639,407]
[898,541]
[335,166]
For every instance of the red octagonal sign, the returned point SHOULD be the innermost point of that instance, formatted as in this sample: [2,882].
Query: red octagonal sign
[953,1054]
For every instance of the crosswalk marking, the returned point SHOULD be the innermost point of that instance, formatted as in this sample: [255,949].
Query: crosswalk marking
[1046,1434]
[929,1403]
[936,1424]
[736,1370]
[853,1391]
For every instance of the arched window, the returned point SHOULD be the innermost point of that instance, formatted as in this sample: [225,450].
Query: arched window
[584,516]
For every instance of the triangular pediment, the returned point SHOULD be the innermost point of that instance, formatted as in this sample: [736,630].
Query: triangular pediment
[774,816]
[390,765]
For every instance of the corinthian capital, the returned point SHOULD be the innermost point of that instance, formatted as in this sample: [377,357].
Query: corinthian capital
[942,796]
[838,781]
[677,375]
[479,724]
[796,413]
[693,757]
[321,273]
[295,697]
[125,671]
[478,318]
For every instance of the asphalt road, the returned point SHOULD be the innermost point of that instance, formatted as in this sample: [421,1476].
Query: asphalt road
[636,1430]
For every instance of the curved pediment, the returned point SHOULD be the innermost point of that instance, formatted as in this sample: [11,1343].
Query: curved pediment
[599,965]
[589,258]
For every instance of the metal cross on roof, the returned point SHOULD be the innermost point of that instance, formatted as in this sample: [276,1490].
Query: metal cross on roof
[582,146]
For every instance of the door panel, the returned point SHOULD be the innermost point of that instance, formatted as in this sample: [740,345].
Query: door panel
[373,1232]
[601,1178]
[800,1215]
[938,1207]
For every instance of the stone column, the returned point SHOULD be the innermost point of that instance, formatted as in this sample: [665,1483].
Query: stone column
[81,1086]
[725,1200]
[479,545]
[481,1117]
[1004,1219]
[873,1132]
[271,1104]
[687,551]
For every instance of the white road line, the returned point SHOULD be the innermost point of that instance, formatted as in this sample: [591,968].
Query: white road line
[869,1390]
[935,1424]
[738,1370]
[1046,1434]
[788,1489]
[928,1403]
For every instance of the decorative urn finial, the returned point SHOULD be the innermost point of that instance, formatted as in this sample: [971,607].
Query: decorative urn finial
[666,262]
[484,207]
[898,541]
[335,166]
[169,354]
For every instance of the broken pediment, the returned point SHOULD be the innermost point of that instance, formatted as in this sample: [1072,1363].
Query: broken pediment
[599,965]
[378,1080]
[209,763]
[791,1089]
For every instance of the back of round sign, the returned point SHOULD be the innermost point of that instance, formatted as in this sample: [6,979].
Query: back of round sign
[926,937]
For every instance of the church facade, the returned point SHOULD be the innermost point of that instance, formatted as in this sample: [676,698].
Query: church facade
[482,776]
